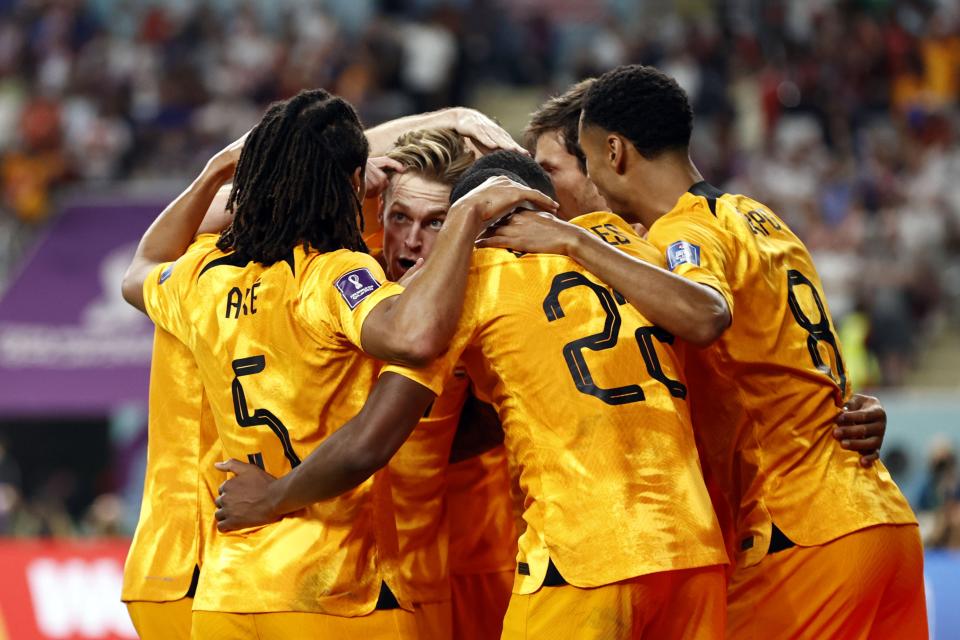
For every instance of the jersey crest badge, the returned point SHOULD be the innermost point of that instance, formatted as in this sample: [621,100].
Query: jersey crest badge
[356,285]
[682,252]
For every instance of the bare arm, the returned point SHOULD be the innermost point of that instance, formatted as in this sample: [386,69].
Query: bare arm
[416,326]
[177,225]
[341,462]
[467,122]
[687,309]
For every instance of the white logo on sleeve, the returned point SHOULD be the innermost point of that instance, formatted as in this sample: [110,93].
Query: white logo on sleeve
[356,285]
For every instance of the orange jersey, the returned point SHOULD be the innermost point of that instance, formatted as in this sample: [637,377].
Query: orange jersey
[278,352]
[594,411]
[483,531]
[766,394]
[418,480]
[181,438]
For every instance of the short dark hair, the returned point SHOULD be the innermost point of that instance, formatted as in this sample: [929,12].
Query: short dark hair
[561,114]
[473,179]
[293,182]
[513,162]
[644,105]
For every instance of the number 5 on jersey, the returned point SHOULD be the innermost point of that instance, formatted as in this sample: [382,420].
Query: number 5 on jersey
[261,417]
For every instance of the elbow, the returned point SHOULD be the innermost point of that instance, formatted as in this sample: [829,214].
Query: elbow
[420,348]
[130,288]
[711,325]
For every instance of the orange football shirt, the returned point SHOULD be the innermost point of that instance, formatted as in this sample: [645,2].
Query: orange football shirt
[278,352]
[593,404]
[766,394]
[182,446]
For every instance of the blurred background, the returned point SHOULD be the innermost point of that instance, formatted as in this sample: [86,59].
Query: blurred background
[841,115]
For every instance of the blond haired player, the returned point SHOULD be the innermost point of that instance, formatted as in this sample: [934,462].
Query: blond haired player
[176,517]
[457,538]
[276,319]
[824,546]
[620,538]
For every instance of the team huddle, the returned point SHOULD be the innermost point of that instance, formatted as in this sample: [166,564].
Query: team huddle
[569,392]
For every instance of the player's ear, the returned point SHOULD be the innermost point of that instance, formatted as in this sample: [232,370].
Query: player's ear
[617,153]
[358,182]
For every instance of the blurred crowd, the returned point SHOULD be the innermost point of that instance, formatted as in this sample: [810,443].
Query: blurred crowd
[841,115]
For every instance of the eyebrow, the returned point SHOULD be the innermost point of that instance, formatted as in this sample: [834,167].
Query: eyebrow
[438,210]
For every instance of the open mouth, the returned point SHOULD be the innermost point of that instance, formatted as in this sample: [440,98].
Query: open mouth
[406,263]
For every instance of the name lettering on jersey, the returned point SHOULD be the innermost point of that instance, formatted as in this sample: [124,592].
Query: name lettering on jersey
[356,285]
[682,252]
[758,219]
[242,302]
[610,234]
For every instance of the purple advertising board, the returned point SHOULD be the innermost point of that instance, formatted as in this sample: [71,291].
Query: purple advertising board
[69,344]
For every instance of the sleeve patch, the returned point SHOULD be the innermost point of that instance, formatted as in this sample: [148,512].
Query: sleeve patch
[682,252]
[356,285]
[166,273]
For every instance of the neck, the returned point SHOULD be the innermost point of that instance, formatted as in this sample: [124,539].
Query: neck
[663,182]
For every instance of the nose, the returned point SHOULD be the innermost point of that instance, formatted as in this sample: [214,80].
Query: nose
[414,238]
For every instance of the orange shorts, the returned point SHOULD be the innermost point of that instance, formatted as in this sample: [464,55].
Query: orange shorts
[675,605]
[479,604]
[392,624]
[434,620]
[162,620]
[867,584]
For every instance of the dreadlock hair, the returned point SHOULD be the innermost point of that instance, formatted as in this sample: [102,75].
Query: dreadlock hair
[439,154]
[293,181]
[642,104]
[561,114]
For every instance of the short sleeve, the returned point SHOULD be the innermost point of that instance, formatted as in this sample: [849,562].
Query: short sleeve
[341,290]
[168,284]
[693,245]
[435,375]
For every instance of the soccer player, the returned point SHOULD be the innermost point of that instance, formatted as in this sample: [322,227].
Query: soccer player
[620,538]
[457,538]
[824,547]
[278,312]
[552,138]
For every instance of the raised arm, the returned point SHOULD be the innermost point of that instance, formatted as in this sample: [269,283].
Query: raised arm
[689,310]
[416,326]
[342,461]
[177,225]
[467,122]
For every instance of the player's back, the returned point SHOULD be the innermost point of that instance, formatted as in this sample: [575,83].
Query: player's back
[593,404]
[277,352]
[767,393]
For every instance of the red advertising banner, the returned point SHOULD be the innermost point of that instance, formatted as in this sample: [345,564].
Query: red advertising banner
[63,590]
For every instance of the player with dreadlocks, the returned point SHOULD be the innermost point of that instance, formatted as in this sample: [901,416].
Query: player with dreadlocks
[285,315]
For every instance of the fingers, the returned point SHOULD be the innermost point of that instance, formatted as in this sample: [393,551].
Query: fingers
[859,431]
[867,461]
[862,444]
[862,416]
[494,242]
[232,465]
[385,163]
